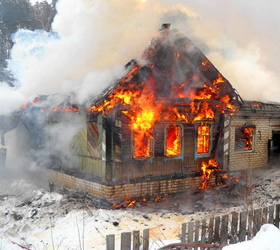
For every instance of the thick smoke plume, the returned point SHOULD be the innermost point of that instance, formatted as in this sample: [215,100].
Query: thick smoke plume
[92,40]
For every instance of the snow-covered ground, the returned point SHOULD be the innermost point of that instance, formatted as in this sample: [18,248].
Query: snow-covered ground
[268,238]
[32,217]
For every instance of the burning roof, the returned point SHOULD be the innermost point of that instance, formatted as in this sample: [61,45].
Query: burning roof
[176,70]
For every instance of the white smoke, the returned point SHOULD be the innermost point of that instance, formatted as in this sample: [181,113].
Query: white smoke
[92,40]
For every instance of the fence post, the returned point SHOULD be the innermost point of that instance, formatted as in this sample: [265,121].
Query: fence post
[136,240]
[250,225]
[217,230]
[242,227]
[264,215]
[190,233]
[224,230]
[125,241]
[257,221]
[146,235]
[197,231]
[183,233]
[271,214]
[210,231]
[277,215]
[233,232]
[203,232]
[110,242]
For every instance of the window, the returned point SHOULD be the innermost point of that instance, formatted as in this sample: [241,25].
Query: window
[142,145]
[173,140]
[244,138]
[203,138]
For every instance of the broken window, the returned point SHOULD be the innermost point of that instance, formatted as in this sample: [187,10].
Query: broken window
[142,145]
[244,138]
[203,138]
[173,140]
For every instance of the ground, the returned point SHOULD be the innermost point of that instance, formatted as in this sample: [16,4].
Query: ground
[34,218]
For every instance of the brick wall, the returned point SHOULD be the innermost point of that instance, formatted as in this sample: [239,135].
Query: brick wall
[259,156]
[114,193]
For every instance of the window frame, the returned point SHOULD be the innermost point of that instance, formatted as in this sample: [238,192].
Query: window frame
[236,150]
[197,124]
[165,139]
[151,152]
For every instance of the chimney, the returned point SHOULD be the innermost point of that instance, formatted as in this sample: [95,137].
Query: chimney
[165,26]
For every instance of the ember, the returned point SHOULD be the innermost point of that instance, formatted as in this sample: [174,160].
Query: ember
[129,203]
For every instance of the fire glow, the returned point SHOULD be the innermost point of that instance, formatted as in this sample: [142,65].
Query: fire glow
[145,109]
[173,140]
[207,169]
[203,139]
[211,166]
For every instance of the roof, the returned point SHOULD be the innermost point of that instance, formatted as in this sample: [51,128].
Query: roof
[260,109]
[177,70]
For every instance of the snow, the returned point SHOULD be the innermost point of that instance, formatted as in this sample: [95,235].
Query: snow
[268,238]
[8,246]
[33,217]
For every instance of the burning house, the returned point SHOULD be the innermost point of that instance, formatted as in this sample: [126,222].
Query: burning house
[170,123]
[160,128]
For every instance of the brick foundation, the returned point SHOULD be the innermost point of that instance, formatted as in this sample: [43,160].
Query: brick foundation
[114,193]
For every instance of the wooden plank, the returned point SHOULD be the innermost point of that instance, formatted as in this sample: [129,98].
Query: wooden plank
[210,231]
[146,237]
[233,230]
[203,232]
[224,230]
[277,215]
[125,241]
[242,226]
[271,214]
[110,242]
[136,240]
[190,233]
[250,233]
[217,230]
[257,221]
[196,234]
[183,234]
[264,215]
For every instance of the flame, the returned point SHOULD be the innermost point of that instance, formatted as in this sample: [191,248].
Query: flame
[203,139]
[141,105]
[249,132]
[207,169]
[129,203]
[173,140]
[246,137]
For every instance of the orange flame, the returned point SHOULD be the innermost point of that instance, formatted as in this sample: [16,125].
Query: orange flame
[173,140]
[207,169]
[203,139]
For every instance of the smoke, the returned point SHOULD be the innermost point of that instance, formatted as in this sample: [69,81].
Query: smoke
[92,40]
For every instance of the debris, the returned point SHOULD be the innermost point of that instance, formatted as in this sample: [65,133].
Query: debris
[115,223]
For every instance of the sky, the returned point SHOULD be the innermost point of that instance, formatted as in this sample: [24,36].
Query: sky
[93,39]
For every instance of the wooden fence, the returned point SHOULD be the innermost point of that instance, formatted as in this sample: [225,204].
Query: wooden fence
[217,231]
